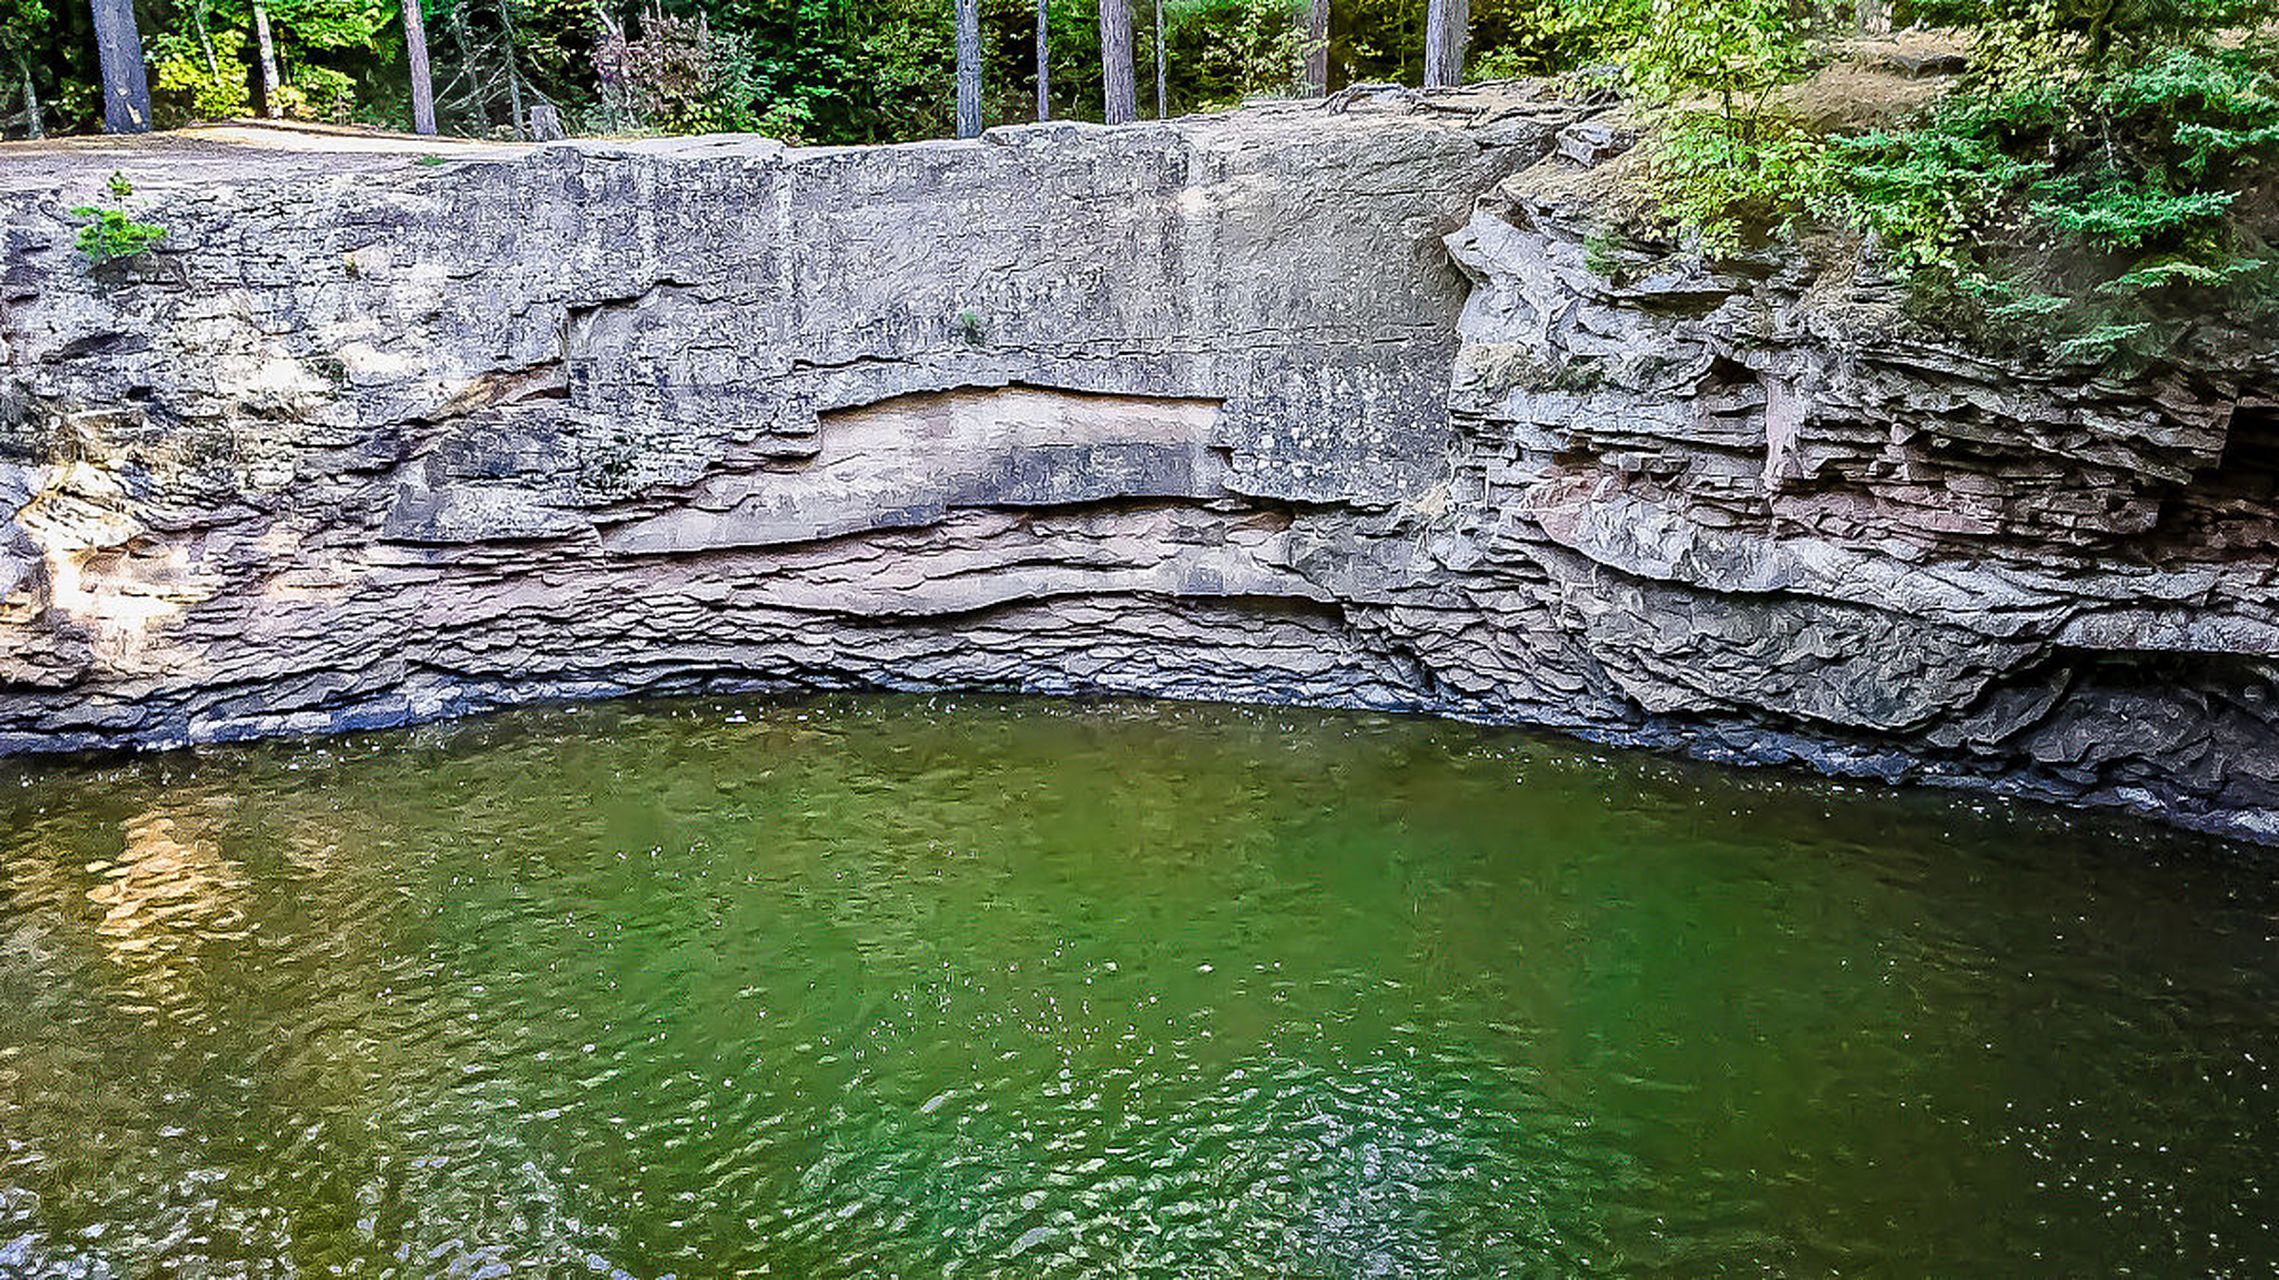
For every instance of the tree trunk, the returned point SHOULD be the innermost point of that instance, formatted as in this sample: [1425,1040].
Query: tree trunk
[1447,26]
[1162,84]
[1316,75]
[1119,95]
[126,85]
[206,39]
[514,97]
[422,79]
[33,128]
[969,68]
[269,78]
[507,42]
[467,69]
[1044,67]
[1874,18]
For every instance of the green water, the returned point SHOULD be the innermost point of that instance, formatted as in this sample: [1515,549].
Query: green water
[911,987]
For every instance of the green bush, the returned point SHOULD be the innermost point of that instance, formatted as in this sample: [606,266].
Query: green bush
[113,235]
[206,92]
[1734,179]
[2084,193]
[110,234]
[2113,216]
[317,93]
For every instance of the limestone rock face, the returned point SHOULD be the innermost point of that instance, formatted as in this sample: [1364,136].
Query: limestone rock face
[1271,406]
[1772,504]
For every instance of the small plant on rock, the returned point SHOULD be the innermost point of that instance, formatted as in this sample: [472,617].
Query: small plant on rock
[110,234]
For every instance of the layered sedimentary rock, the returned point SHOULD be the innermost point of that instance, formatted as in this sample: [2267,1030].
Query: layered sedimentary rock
[1271,406]
[1795,524]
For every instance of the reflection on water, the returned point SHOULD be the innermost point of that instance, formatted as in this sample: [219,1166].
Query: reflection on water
[886,986]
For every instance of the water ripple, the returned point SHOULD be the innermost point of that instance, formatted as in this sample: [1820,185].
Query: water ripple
[868,987]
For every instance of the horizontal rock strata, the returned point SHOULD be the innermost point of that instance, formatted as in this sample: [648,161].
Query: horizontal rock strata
[1271,407]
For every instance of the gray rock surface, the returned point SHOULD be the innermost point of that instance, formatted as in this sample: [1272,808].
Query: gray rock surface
[1271,406]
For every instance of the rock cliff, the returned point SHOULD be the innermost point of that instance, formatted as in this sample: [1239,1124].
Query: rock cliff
[1297,404]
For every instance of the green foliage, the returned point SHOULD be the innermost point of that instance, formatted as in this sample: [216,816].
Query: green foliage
[1229,50]
[315,92]
[2026,45]
[683,76]
[21,22]
[1504,62]
[219,91]
[111,235]
[1732,52]
[2101,217]
[318,44]
[1725,163]
[1733,178]
[331,24]
[1601,254]
[1928,191]
[2104,184]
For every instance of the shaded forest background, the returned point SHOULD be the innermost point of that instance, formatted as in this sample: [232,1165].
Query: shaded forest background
[819,71]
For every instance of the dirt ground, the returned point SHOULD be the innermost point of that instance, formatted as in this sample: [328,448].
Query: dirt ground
[1877,80]
[219,152]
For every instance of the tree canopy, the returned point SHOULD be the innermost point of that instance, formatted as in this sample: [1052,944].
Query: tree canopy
[827,71]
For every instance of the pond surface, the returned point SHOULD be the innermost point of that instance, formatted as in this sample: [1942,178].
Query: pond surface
[919,987]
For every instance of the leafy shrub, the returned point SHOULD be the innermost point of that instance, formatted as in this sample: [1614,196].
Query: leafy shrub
[2102,218]
[2105,185]
[113,235]
[1731,179]
[1726,164]
[1228,50]
[216,91]
[1503,62]
[1734,53]
[683,75]
[318,93]
[110,234]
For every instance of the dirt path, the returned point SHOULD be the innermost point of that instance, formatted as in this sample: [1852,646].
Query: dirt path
[220,152]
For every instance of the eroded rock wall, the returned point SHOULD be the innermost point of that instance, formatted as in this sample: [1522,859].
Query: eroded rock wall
[1254,407]
[1793,523]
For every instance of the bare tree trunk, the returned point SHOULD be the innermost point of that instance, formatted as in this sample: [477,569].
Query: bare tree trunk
[1447,27]
[468,70]
[1874,17]
[33,128]
[1162,84]
[514,97]
[969,68]
[126,85]
[422,78]
[1316,74]
[205,39]
[1119,95]
[268,43]
[514,74]
[1044,66]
